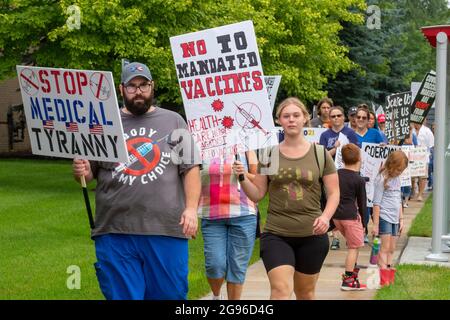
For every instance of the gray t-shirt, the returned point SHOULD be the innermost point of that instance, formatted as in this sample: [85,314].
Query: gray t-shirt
[389,199]
[145,196]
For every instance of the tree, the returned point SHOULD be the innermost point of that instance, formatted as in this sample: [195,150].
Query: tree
[297,38]
[388,58]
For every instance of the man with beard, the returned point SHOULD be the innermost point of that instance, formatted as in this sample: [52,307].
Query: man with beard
[146,209]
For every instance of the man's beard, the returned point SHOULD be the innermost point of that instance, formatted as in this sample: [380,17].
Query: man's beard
[138,108]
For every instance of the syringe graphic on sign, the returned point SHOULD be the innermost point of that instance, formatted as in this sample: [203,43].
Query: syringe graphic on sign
[143,150]
[250,119]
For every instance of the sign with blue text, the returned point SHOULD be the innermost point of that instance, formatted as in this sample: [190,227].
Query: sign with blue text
[72,113]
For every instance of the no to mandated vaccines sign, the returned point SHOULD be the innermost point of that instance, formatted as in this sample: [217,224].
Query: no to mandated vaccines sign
[224,93]
[72,113]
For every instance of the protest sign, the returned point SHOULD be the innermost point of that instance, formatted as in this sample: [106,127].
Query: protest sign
[313,134]
[405,177]
[424,98]
[397,116]
[373,156]
[272,84]
[338,162]
[72,113]
[223,89]
[418,161]
[379,110]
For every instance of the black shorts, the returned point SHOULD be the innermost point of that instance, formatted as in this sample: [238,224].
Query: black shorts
[305,254]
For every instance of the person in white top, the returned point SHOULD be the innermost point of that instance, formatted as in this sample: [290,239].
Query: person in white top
[425,138]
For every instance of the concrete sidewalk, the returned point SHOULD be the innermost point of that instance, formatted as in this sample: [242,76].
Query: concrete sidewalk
[257,285]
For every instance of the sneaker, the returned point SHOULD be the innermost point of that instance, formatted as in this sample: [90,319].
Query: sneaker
[366,239]
[419,198]
[335,244]
[219,297]
[351,283]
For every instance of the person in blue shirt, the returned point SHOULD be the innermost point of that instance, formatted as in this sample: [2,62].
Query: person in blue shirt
[329,138]
[363,132]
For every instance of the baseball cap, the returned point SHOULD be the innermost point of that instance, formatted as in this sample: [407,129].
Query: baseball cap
[135,69]
[352,111]
[381,118]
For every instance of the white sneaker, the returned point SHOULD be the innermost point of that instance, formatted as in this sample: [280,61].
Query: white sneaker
[219,297]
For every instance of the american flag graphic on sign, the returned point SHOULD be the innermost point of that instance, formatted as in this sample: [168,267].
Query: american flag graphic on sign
[95,129]
[48,124]
[71,127]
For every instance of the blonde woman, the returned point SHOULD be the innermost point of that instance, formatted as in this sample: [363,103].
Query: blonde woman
[294,243]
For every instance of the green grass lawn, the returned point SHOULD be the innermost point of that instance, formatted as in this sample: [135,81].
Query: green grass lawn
[44,230]
[419,282]
[422,224]
[415,282]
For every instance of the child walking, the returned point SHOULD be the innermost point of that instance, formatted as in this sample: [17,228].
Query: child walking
[349,216]
[388,212]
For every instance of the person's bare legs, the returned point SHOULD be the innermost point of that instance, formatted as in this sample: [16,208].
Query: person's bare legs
[305,285]
[350,261]
[281,282]
[385,250]
[216,285]
[392,244]
[422,185]
[234,291]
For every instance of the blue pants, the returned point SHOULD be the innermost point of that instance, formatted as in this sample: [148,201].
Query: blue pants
[137,267]
[228,245]
[406,192]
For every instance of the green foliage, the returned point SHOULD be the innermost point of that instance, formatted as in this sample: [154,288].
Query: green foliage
[422,223]
[418,282]
[391,57]
[297,38]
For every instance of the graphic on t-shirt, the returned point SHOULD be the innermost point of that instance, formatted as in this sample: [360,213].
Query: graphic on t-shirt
[294,191]
[295,179]
[146,159]
[139,148]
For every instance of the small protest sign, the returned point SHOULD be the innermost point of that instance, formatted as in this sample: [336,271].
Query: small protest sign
[418,161]
[338,162]
[72,113]
[424,99]
[397,116]
[373,156]
[405,177]
[223,89]
[313,134]
[272,85]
